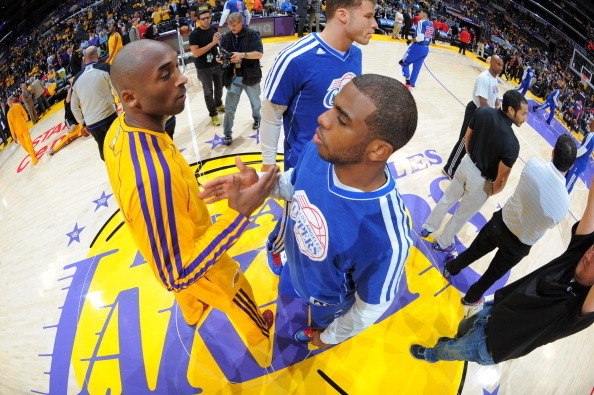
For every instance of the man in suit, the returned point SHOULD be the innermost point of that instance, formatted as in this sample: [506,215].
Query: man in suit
[302,10]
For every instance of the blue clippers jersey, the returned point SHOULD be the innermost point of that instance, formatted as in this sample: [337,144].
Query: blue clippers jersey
[305,77]
[553,96]
[424,32]
[339,241]
[236,6]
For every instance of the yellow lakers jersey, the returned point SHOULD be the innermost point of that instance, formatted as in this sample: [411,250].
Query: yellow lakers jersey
[158,196]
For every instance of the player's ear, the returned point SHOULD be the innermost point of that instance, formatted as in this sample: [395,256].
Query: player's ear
[128,98]
[379,150]
[342,14]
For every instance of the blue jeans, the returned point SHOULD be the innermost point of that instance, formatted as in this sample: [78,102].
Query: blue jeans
[321,316]
[233,94]
[470,343]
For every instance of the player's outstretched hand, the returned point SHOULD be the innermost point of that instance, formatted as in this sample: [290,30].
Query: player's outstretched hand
[218,189]
[246,200]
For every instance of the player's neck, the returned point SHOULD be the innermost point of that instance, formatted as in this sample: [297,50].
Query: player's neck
[335,37]
[363,176]
[145,121]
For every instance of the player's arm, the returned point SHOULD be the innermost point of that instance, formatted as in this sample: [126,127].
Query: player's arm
[502,175]
[359,317]
[198,51]
[483,102]
[247,15]
[420,33]
[182,250]
[586,225]
[467,137]
[75,107]
[270,131]
[224,15]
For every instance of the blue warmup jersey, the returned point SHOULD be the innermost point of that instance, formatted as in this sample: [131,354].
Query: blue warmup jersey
[305,77]
[553,96]
[424,33]
[341,241]
[236,6]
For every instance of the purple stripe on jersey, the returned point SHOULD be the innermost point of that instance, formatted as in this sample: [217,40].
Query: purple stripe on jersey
[144,208]
[169,203]
[217,254]
[157,209]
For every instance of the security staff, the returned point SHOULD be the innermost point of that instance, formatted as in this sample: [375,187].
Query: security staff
[492,149]
[484,94]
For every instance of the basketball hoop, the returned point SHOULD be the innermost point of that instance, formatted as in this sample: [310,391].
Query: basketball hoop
[585,80]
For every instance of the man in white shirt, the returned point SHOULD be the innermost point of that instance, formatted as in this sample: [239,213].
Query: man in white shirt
[539,203]
[398,21]
[484,94]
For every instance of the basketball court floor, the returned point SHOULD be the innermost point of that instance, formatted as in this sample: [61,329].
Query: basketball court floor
[81,311]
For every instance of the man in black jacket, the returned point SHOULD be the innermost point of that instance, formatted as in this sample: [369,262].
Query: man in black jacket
[243,72]
[407,24]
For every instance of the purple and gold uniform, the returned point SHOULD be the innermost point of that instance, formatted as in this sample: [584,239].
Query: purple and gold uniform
[158,196]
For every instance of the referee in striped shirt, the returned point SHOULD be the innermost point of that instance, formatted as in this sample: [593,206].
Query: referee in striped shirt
[539,203]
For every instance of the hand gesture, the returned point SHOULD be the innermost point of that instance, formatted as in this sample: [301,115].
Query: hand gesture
[216,38]
[244,190]
[236,58]
[317,341]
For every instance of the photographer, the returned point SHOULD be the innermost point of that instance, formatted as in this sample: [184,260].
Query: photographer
[204,42]
[241,53]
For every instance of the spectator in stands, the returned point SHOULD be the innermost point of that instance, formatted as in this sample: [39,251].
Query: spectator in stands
[114,43]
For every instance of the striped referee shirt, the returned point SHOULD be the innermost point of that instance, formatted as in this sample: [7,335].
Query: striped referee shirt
[539,202]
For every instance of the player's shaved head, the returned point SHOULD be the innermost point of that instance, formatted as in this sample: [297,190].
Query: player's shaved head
[147,79]
[128,68]
[496,65]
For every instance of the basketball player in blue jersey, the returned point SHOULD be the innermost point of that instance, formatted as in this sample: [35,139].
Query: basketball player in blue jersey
[232,6]
[551,103]
[581,162]
[526,79]
[302,84]
[348,234]
[418,50]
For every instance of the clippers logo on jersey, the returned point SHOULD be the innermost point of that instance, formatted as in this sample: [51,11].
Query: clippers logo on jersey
[429,32]
[335,87]
[495,89]
[311,230]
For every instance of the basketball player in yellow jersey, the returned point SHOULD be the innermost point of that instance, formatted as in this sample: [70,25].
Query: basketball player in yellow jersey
[17,121]
[158,197]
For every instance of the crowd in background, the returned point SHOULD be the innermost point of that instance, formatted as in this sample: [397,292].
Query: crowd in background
[519,39]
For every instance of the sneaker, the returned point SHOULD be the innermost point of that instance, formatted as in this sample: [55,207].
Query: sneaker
[268,317]
[228,140]
[548,123]
[443,339]
[221,108]
[447,267]
[50,152]
[425,233]
[303,335]
[409,87]
[256,124]
[471,309]
[445,173]
[418,352]
[450,248]
[401,63]
[215,120]
[275,262]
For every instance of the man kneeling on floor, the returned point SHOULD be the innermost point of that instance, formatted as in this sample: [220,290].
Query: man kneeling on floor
[553,302]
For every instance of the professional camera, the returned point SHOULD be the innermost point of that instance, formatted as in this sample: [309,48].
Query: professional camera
[225,56]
